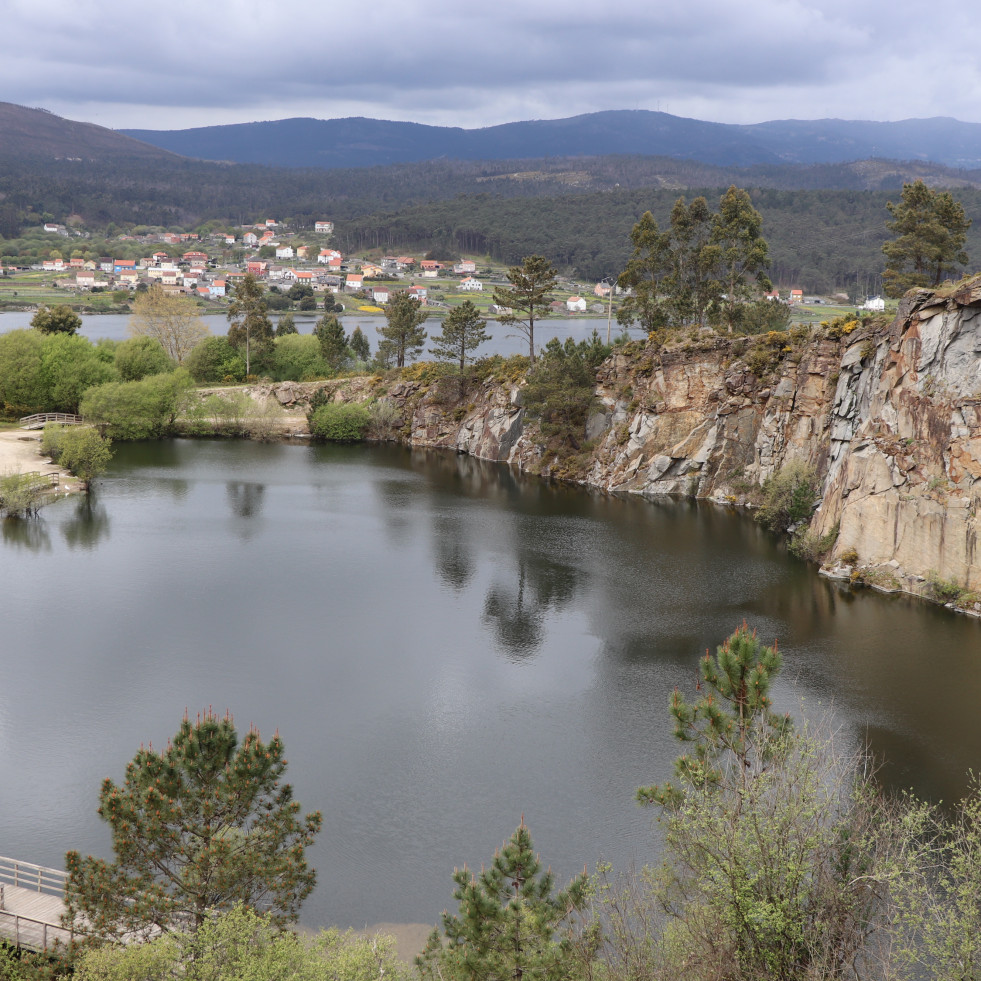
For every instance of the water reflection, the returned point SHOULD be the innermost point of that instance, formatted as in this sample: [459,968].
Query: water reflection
[27,533]
[245,498]
[89,523]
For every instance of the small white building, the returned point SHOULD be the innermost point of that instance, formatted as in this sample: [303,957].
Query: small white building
[323,227]
[285,252]
[576,304]
[875,303]
[472,284]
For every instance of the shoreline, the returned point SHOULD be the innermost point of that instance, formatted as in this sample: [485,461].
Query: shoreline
[20,452]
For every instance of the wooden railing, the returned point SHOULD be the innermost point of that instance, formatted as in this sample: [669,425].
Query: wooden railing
[39,419]
[20,928]
[37,878]
[25,931]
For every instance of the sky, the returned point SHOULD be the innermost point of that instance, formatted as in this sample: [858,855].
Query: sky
[180,64]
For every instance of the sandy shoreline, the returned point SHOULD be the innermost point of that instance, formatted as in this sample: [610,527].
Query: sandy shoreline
[20,452]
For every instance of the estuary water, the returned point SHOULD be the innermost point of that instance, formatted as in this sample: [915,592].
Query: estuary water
[443,646]
[501,339]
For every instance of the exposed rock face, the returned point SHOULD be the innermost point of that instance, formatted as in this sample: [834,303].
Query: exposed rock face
[888,415]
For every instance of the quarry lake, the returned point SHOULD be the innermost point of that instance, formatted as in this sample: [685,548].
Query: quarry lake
[443,645]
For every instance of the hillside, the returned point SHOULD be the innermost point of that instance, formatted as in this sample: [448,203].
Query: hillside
[37,133]
[360,142]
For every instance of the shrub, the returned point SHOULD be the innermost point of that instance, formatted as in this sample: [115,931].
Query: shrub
[144,409]
[340,422]
[812,547]
[80,449]
[788,496]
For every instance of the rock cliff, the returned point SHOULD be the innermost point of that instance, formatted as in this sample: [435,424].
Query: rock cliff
[888,414]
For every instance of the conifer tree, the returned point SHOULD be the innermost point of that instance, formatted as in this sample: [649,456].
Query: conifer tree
[360,344]
[249,325]
[202,826]
[510,925]
[731,726]
[463,331]
[930,229]
[403,336]
[529,296]
[333,340]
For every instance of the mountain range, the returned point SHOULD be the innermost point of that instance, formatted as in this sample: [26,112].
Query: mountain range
[360,142]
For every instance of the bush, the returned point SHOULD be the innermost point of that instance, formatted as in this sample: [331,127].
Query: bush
[80,449]
[215,360]
[340,422]
[788,496]
[144,409]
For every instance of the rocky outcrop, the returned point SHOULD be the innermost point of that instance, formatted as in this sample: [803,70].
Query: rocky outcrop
[888,414]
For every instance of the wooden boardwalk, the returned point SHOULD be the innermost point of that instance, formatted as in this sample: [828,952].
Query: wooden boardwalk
[32,905]
[40,419]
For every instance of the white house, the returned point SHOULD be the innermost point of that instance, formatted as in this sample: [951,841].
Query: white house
[575,304]
[471,284]
[875,303]
[285,252]
[323,227]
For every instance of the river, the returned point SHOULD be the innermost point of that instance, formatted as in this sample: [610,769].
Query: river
[443,645]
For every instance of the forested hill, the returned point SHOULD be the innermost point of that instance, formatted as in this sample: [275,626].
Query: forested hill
[828,240]
[360,142]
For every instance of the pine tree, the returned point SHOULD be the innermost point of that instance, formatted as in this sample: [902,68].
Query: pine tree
[529,296]
[930,229]
[731,726]
[202,826]
[360,344]
[510,925]
[333,340]
[403,337]
[463,331]
[249,325]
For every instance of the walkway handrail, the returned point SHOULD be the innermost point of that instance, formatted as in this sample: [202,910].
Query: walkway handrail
[19,941]
[26,875]
[38,419]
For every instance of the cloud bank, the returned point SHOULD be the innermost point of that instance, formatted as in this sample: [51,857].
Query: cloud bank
[182,64]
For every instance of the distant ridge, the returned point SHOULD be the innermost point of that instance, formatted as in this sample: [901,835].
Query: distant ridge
[361,142]
[37,133]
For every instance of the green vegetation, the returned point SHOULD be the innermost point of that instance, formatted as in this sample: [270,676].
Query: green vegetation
[788,496]
[403,336]
[21,494]
[340,422]
[81,449]
[930,229]
[560,390]
[510,925]
[463,331]
[241,944]
[204,826]
[138,357]
[250,329]
[528,297]
[145,409]
[56,320]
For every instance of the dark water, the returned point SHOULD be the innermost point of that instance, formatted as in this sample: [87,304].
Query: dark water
[442,645]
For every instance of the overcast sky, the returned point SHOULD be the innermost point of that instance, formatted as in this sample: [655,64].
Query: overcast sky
[177,63]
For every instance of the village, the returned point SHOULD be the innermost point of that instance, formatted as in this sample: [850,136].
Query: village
[285,261]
